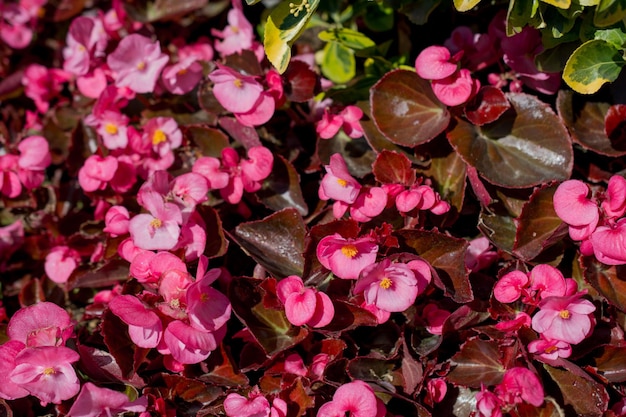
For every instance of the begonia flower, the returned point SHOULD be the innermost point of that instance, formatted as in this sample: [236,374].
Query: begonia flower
[435,318]
[479,255]
[96,172]
[209,168]
[437,389]
[369,204]
[189,345]
[43,84]
[34,153]
[488,404]
[338,184]
[237,36]
[550,349]
[112,127]
[14,25]
[389,286]
[609,243]
[10,184]
[183,76]
[86,40]
[137,63]
[207,308]
[356,398]
[435,63]
[61,261]
[144,325]
[510,286]
[9,390]
[346,258]
[564,318]
[615,203]
[348,119]
[256,405]
[164,134]
[547,281]
[158,230]
[304,305]
[456,89]
[94,401]
[236,92]
[572,205]
[520,384]
[46,372]
[41,324]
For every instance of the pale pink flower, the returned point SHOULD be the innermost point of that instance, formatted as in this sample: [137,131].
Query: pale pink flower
[137,63]
[520,384]
[346,258]
[210,169]
[338,184]
[43,84]
[8,352]
[356,398]
[550,349]
[92,84]
[479,254]
[34,153]
[158,230]
[61,261]
[93,401]
[41,324]
[201,50]
[144,325]
[237,93]
[86,40]
[164,134]
[389,286]
[46,372]
[261,112]
[182,77]
[369,204]
[237,36]
[97,172]
[568,319]
[189,345]
[207,308]
[112,126]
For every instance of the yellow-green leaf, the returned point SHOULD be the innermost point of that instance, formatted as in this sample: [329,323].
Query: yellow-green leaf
[609,12]
[348,38]
[561,4]
[284,25]
[591,65]
[338,64]
[465,5]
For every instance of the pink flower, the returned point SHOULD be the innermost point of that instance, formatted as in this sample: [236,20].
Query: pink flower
[182,77]
[356,398]
[34,154]
[46,372]
[369,204]
[573,207]
[43,84]
[256,405]
[14,25]
[510,286]
[304,305]
[158,230]
[346,258]
[209,168]
[112,126]
[564,318]
[338,184]
[189,345]
[237,36]
[164,135]
[609,243]
[519,384]
[137,63]
[437,389]
[435,318]
[144,325]
[488,404]
[478,255]
[61,261]
[237,93]
[456,89]
[8,352]
[550,349]
[348,118]
[615,203]
[97,172]
[93,401]
[390,286]
[86,40]
[9,181]
[41,324]
[207,308]
[436,63]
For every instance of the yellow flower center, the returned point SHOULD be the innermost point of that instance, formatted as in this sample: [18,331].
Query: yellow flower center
[385,283]
[110,128]
[141,66]
[158,137]
[49,371]
[238,83]
[565,314]
[156,223]
[350,251]
[341,182]
[551,349]
[235,29]
[182,71]
[204,297]
[175,303]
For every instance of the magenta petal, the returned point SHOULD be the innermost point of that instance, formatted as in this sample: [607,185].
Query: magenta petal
[509,287]
[324,311]
[288,285]
[300,307]
[188,345]
[572,205]
[433,63]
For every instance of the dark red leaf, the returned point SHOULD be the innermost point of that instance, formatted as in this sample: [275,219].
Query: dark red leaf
[612,363]
[607,280]
[105,275]
[393,168]
[615,125]
[210,141]
[477,363]
[579,390]
[300,82]
[282,188]
[487,106]
[245,135]
[101,366]
[115,333]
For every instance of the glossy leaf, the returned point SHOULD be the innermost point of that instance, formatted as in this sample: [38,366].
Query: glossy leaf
[612,363]
[393,168]
[115,334]
[209,140]
[275,242]
[269,327]
[449,172]
[298,394]
[586,396]
[301,83]
[477,363]
[107,274]
[447,255]
[222,371]
[592,64]
[348,38]
[283,27]
[499,228]
[561,4]
[609,12]
[487,106]
[465,5]
[614,36]
[607,280]
[538,226]
[550,408]
[405,109]
[216,243]
[587,125]
[338,63]
[101,366]
[526,146]
[282,188]
[188,389]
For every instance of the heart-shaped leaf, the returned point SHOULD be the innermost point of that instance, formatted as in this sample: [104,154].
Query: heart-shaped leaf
[583,394]
[591,65]
[526,146]
[477,363]
[405,109]
[447,255]
[275,242]
[338,63]
[393,168]
[538,227]
[607,280]
[588,125]
[487,106]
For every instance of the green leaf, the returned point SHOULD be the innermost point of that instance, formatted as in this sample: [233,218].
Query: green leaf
[609,12]
[615,37]
[521,13]
[405,109]
[338,64]
[283,27]
[465,5]
[348,38]
[561,4]
[592,64]
[418,12]
[528,145]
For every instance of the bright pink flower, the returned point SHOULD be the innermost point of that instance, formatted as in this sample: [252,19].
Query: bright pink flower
[329,125]
[510,286]
[207,308]
[261,112]
[568,319]
[201,50]
[572,205]
[550,349]
[93,401]
[164,134]
[46,372]
[43,84]
[9,181]
[488,404]
[189,189]
[144,325]
[61,261]
[41,324]
[346,258]
[14,25]
[189,345]
[519,384]
[435,318]
[521,320]
[338,184]
[209,168]
[389,286]
[356,398]
[193,237]
[609,243]
[456,89]
[158,230]
[182,77]
[436,63]
[237,36]
[237,93]
[615,203]
[478,49]
[86,40]
[8,352]
[348,118]
[125,176]
[369,204]
[137,63]
[256,405]
[34,153]
[478,255]
[112,126]
[97,172]
[547,281]
[92,84]
[437,389]
[304,305]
